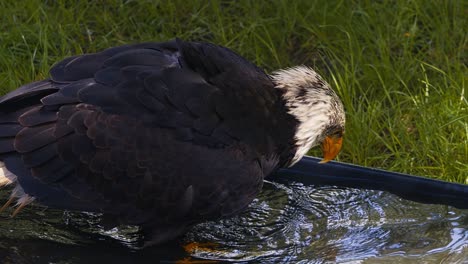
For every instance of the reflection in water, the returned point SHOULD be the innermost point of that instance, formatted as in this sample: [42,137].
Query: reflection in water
[284,224]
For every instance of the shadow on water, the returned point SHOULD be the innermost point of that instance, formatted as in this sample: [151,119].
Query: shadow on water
[286,223]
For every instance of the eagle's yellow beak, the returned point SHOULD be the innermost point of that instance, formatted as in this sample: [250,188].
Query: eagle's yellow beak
[331,146]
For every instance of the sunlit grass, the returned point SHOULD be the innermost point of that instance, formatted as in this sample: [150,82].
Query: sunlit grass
[399,66]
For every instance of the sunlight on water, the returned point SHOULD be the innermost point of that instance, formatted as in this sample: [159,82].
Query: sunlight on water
[295,222]
[286,223]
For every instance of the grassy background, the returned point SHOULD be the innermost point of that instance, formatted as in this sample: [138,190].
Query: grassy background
[399,66]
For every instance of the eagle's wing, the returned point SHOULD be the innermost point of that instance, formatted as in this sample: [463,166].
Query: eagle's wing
[147,132]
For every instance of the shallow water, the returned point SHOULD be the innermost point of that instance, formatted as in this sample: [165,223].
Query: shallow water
[286,223]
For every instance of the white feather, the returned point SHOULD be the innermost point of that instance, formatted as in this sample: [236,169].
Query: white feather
[313,110]
[22,197]
[6,177]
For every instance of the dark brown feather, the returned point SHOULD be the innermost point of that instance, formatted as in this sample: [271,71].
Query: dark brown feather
[157,134]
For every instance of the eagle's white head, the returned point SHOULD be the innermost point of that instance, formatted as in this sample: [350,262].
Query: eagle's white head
[316,106]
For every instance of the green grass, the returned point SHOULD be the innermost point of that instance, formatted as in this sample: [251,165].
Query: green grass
[399,66]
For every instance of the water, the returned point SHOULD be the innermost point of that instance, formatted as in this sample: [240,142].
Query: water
[286,223]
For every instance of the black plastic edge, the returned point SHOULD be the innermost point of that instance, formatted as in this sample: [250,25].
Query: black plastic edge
[424,190]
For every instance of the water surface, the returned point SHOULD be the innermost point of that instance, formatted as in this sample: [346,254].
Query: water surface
[286,223]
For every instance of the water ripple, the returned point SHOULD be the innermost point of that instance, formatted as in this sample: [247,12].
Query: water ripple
[286,223]
[331,224]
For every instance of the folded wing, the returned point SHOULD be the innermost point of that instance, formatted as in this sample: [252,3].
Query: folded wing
[141,130]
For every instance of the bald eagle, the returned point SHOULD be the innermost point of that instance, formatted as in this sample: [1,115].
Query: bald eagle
[161,135]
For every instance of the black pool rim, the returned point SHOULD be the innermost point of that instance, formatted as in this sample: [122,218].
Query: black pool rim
[415,188]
